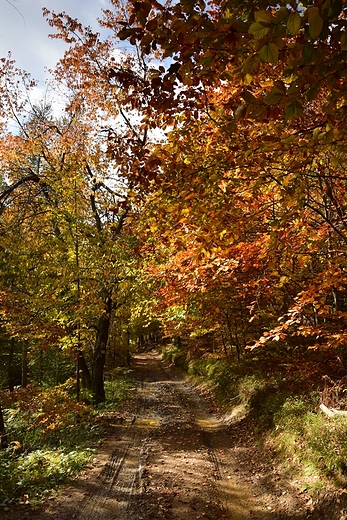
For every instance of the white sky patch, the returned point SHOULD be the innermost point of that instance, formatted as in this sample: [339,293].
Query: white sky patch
[48,96]
[24,31]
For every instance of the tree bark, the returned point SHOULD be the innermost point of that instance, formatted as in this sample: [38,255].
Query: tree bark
[99,357]
[25,364]
[11,366]
[86,378]
[3,435]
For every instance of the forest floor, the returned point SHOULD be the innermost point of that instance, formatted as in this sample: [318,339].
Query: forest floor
[175,455]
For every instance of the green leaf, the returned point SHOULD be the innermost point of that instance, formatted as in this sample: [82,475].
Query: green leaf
[294,23]
[293,91]
[281,15]
[228,75]
[248,97]
[248,79]
[289,111]
[277,93]
[240,112]
[315,22]
[258,31]
[293,110]
[307,53]
[263,16]
[228,14]
[312,92]
[269,53]
[239,25]
[273,98]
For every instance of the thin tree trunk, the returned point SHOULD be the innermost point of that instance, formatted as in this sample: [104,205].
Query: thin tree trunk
[41,366]
[78,381]
[10,366]
[25,364]
[57,368]
[99,357]
[86,378]
[3,435]
[224,346]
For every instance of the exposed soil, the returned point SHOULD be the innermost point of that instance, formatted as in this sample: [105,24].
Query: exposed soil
[175,456]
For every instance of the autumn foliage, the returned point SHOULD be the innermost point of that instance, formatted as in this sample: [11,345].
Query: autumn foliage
[197,179]
[246,215]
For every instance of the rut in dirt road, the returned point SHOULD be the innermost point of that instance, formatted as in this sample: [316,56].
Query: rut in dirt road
[170,459]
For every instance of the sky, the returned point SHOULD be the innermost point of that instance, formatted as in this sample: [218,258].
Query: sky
[24,32]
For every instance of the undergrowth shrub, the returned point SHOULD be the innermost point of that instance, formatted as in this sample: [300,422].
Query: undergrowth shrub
[30,475]
[219,374]
[50,438]
[285,414]
[42,410]
[231,381]
[175,355]
[118,387]
[309,441]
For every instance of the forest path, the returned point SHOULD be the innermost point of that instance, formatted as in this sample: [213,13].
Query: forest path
[173,458]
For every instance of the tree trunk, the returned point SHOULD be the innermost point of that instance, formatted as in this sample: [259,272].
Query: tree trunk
[41,367]
[25,364]
[11,366]
[3,435]
[86,379]
[99,357]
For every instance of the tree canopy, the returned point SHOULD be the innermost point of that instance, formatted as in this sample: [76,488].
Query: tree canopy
[197,180]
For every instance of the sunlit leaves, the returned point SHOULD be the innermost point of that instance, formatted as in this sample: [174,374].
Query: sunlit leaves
[251,65]
[258,30]
[294,23]
[263,16]
[245,216]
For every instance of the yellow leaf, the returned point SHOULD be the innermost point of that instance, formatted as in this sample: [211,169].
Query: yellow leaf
[248,79]
[294,23]
[263,16]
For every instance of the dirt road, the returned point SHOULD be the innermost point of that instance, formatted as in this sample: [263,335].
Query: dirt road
[174,458]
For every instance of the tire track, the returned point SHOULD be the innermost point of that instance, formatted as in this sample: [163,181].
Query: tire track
[164,460]
[119,483]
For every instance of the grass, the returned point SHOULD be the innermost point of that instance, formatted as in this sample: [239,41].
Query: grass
[307,440]
[51,438]
[117,387]
[282,397]
[27,477]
